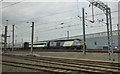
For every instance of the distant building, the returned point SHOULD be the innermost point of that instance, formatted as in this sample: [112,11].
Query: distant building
[98,40]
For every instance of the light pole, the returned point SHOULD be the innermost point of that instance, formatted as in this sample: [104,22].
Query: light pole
[13,37]
[118,25]
[32,37]
[5,37]
[83,22]
[84,40]
[118,36]
[67,35]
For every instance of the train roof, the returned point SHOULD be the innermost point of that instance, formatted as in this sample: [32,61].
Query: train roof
[61,40]
[54,41]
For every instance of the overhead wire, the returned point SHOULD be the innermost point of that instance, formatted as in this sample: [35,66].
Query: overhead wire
[1,0]
[58,28]
[63,19]
[57,25]
[12,4]
[88,16]
[56,13]
[74,29]
[65,26]
[91,27]
[60,13]
[45,16]
[62,26]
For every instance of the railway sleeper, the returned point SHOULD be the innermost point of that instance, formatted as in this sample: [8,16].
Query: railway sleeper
[62,67]
[79,66]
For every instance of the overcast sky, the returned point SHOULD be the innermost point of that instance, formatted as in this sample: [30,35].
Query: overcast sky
[48,17]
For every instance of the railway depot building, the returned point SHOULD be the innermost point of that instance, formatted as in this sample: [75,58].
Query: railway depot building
[98,40]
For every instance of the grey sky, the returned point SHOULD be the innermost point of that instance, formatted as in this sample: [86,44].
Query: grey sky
[48,17]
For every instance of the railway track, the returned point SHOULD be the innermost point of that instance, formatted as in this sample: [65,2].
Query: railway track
[60,65]
[68,50]
[43,68]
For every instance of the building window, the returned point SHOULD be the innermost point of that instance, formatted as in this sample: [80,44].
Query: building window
[95,43]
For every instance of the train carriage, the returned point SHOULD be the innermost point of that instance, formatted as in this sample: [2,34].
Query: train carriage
[58,44]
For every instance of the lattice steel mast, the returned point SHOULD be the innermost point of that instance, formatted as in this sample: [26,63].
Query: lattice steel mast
[102,6]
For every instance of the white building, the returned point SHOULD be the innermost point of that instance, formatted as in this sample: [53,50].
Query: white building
[98,40]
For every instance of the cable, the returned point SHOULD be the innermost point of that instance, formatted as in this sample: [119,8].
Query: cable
[1,1]
[59,28]
[87,16]
[91,27]
[77,8]
[60,21]
[45,16]
[52,29]
[60,13]
[64,22]
[97,14]
[71,26]
[80,29]
[12,4]
[54,14]
[63,12]
[62,27]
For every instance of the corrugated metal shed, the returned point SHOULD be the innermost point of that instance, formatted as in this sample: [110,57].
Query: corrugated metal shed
[97,40]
